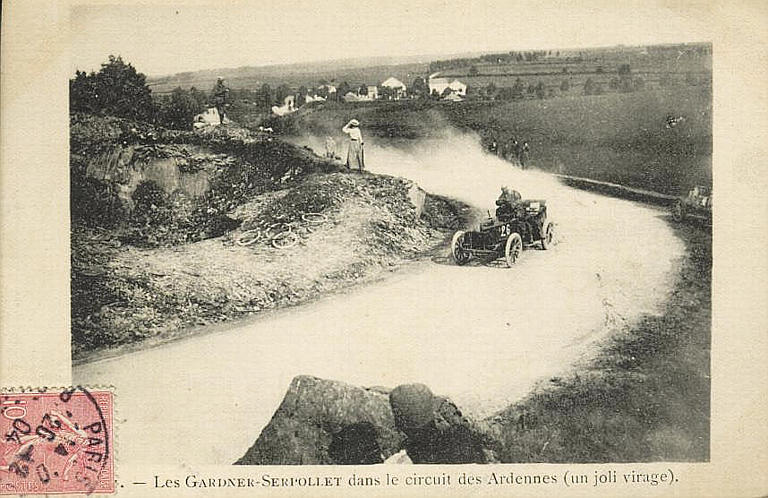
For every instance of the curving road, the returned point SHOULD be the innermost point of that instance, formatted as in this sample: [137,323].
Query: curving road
[483,335]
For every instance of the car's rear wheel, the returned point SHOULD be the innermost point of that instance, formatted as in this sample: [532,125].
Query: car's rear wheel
[459,253]
[549,235]
[678,212]
[513,249]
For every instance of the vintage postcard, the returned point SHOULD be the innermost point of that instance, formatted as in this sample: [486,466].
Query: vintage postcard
[397,248]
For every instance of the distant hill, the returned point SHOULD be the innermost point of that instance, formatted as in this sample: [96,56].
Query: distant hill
[477,68]
[370,70]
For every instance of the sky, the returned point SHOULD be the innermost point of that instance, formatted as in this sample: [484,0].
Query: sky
[161,38]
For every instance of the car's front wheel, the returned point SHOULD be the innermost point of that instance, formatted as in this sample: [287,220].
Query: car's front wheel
[513,249]
[458,251]
[549,235]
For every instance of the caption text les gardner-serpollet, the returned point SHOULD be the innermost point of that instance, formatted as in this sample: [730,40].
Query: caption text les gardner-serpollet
[601,477]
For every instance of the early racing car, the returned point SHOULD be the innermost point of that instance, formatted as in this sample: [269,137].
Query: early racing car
[523,223]
[697,204]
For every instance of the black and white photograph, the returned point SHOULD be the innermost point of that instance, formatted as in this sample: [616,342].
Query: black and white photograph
[401,233]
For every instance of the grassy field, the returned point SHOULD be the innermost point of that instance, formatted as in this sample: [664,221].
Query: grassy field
[617,137]
[646,397]
[621,138]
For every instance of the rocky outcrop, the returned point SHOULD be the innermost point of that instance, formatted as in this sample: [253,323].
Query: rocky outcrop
[327,422]
[185,168]
[436,431]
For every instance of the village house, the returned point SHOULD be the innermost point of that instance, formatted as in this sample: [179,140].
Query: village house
[289,105]
[397,87]
[440,84]
[373,92]
[328,88]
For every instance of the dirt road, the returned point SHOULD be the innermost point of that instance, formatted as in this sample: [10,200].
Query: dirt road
[483,335]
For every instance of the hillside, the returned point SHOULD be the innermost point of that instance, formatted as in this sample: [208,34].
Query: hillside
[163,224]
[618,137]
[255,77]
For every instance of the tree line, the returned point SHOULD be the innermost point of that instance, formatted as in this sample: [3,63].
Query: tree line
[118,89]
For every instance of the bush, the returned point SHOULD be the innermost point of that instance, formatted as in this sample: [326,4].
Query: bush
[178,111]
[149,196]
[116,90]
[94,202]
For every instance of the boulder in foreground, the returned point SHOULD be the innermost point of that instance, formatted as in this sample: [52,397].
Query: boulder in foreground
[323,422]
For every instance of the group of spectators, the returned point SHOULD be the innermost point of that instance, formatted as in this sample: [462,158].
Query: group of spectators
[511,150]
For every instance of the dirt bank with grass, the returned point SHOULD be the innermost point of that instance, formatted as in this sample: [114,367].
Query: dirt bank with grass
[155,255]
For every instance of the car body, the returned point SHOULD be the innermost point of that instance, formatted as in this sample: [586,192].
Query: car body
[697,204]
[525,223]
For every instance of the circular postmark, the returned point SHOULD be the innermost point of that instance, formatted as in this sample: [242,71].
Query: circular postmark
[56,442]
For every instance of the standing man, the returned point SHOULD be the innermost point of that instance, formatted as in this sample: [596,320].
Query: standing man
[220,97]
[525,151]
[514,151]
[355,157]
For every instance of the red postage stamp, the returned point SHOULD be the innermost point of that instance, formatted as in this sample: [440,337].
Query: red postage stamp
[56,442]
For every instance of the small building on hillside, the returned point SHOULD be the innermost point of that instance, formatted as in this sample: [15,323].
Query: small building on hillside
[398,87]
[373,92]
[440,84]
[289,105]
[458,88]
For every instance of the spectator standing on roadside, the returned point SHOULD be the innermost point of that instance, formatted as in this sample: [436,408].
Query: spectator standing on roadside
[514,151]
[355,156]
[524,153]
[220,97]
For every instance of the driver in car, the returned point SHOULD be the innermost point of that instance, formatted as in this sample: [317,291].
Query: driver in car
[507,202]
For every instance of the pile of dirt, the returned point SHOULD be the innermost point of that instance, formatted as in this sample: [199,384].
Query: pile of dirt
[365,225]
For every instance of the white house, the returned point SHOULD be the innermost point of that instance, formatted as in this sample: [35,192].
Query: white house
[373,92]
[440,84]
[396,85]
[313,98]
[458,88]
[289,105]
[328,88]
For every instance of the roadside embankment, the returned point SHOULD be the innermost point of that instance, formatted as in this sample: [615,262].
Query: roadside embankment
[171,255]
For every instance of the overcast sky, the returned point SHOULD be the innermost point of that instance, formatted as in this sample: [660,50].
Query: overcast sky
[185,36]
